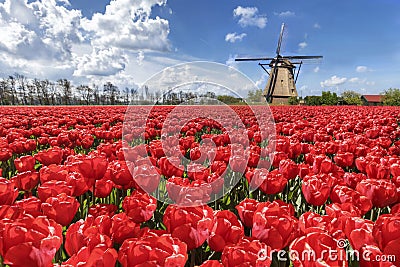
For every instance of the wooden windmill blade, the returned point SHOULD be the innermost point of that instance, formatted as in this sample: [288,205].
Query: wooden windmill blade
[254,59]
[270,88]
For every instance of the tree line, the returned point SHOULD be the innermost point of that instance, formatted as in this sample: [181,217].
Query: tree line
[390,97]
[19,90]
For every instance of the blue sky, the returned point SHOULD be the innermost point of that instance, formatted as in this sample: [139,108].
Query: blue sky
[127,41]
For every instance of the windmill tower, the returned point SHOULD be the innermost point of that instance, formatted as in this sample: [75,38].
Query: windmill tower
[282,75]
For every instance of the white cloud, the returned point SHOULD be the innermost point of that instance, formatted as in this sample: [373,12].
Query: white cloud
[248,16]
[316,69]
[127,24]
[317,26]
[48,39]
[101,62]
[231,61]
[361,69]
[285,14]
[140,58]
[333,81]
[260,83]
[361,81]
[354,80]
[233,37]
[39,30]
[302,45]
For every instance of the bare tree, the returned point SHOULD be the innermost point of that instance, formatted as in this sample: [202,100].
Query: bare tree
[21,85]
[4,93]
[85,93]
[41,88]
[96,94]
[134,93]
[66,91]
[31,94]
[13,90]
[52,93]
[112,92]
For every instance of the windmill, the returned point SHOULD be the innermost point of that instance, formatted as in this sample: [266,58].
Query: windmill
[282,75]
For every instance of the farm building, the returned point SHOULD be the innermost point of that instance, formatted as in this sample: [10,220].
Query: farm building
[371,100]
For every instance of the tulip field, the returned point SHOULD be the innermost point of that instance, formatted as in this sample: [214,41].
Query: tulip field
[91,186]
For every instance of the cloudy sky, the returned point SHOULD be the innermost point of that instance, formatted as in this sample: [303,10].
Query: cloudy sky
[128,41]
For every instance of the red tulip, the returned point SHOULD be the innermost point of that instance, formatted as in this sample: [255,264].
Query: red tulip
[218,167]
[227,230]
[352,179]
[51,156]
[8,193]
[246,209]
[53,188]
[322,164]
[79,183]
[29,241]
[312,222]
[274,224]
[156,149]
[371,256]
[395,169]
[342,211]
[171,166]
[31,205]
[381,192]
[25,163]
[88,233]
[99,256]
[102,209]
[387,234]
[123,227]
[5,154]
[377,171]
[315,190]
[103,188]
[289,169]
[92,166]
[197,171]
[247,253]
[269,182]
[344,159]
[314,249]
[186,193]
[238,163]
[359,232]
[146,177]
[121,174]
[344,194]
[139,206]
[61,208]
[395,210]
[87,141]
[53,172]
[26,180]
[163,250]
[191,225]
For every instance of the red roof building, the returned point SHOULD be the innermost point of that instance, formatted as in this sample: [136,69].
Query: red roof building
[371,100]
